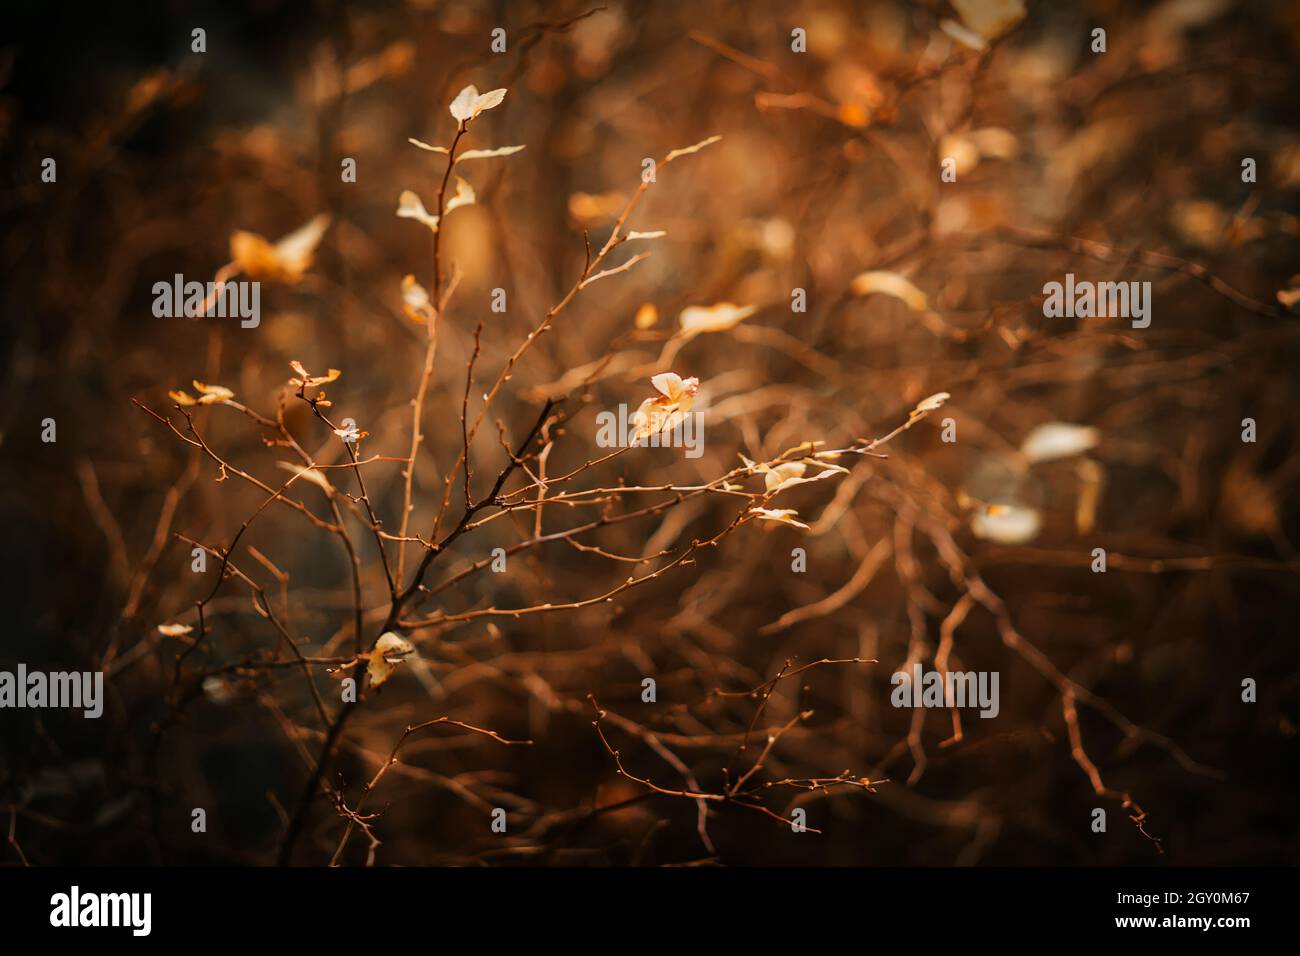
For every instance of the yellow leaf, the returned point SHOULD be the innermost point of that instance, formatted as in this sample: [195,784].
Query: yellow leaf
[415,300]
[1091,477]
[889,283]
[306,380]
[389,651]
[646,316]
[212,393]
[675,388]
[697,319]
[664,412]
[286,260]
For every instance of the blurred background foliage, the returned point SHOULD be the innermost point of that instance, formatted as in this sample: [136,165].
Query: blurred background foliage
[828,167]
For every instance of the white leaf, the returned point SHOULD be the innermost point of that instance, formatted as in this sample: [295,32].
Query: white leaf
[469,102]
[489,100]
[409,206]
[389,651]
[774,477]
[1006,524]
[1058,440]
[791,473]
[933,403]
[696,319]
[299,244]
[423,145]
[462,107]
[464,196]
[487,153]
[780,515]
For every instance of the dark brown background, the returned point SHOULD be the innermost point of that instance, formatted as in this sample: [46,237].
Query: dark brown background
[163,153]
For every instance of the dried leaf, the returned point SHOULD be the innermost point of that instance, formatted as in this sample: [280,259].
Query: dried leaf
[1058,440]
[675,388]
[306,380]
[212,393]
[424,145]
[829,468]
[1006,524]
[791,473]
[773,477]
[890,283]
[285,261]
[665,411]
[487,153]
[697,319]
[779,515]
[469,102]
[415,300]
[464,196]
[932,403]
[389,651]
[409,206]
